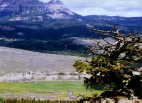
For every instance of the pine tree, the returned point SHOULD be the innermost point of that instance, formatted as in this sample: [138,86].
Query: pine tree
[118,65]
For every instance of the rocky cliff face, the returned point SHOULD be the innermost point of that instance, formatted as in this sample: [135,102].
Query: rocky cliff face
[26,9]
[56,9]
[13,7]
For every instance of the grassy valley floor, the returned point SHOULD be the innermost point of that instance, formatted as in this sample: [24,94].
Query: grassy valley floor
[45,90]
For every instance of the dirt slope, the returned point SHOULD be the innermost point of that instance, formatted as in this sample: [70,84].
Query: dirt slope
[14,60]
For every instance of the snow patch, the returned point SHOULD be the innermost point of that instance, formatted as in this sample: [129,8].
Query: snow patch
[3,6]
[18,18]
[56,16]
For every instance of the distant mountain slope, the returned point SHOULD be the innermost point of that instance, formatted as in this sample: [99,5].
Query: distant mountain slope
[40,26]
[14,60]
[55,15]
[127,24]
[35,10]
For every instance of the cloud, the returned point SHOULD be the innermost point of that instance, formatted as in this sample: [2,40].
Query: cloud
[127,8]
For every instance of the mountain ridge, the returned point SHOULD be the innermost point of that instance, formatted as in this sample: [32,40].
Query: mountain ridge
[51,27]
[26,9]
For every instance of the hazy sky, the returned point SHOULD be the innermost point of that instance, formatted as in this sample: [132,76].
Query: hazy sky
[127,8]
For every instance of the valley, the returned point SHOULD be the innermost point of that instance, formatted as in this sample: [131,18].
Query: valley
[46,54]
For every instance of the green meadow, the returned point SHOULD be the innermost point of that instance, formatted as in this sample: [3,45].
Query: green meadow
[50,88]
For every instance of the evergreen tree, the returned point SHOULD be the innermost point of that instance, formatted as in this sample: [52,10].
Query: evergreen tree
[118,64]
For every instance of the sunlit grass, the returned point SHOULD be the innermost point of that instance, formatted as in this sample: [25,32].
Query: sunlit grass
[46,88]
